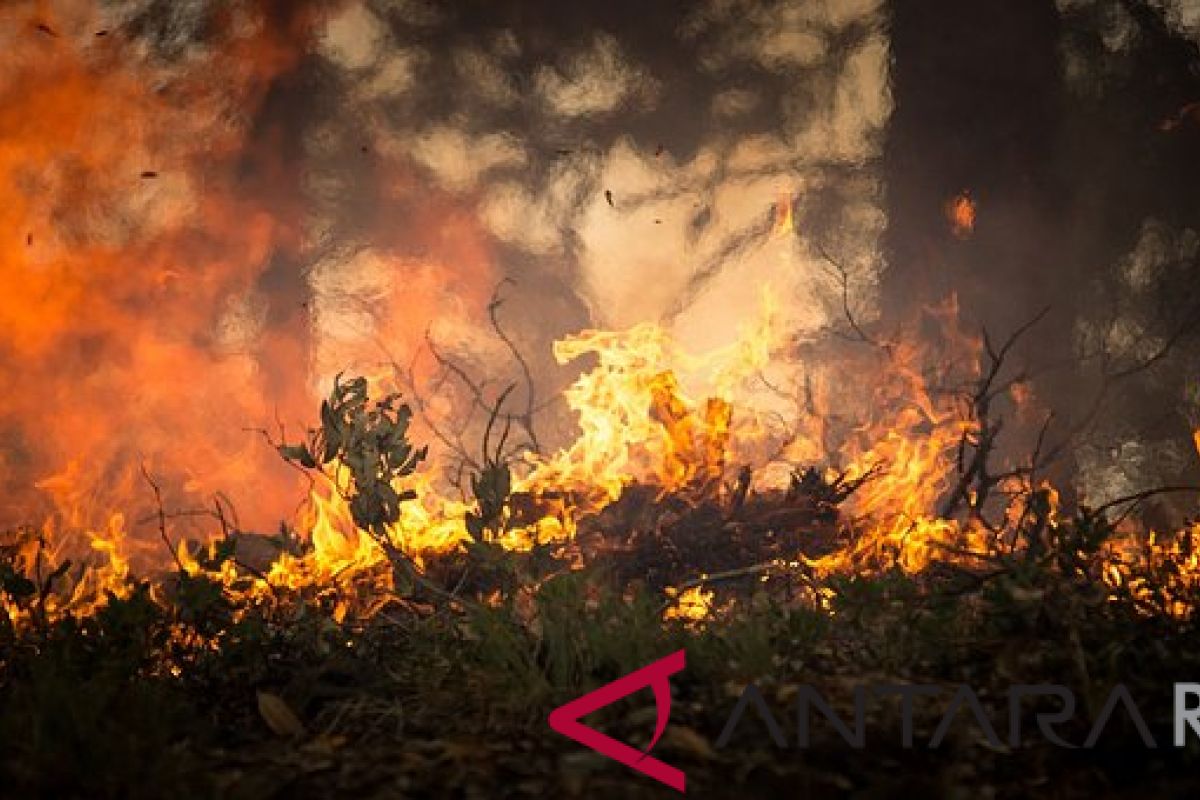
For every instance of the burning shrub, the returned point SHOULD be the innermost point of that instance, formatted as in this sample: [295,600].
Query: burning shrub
[365,452]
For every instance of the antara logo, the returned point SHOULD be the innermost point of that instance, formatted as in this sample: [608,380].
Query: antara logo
[657,676]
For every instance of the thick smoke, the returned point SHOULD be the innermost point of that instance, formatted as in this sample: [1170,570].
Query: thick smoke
[608,198]
[213,208]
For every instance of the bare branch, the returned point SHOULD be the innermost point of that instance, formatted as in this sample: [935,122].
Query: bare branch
[526,419]
[162,516]
[844,280]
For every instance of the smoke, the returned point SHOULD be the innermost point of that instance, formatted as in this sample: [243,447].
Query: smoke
[617,166]
[213,208]
[1079,157]
[138,222]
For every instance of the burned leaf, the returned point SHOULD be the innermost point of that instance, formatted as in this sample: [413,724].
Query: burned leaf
[298,453]
[687,740]
[279,717]
[331,428]
[14,584]
[222,551]
[149,173]
[58,573]
[608,195]
[47,30]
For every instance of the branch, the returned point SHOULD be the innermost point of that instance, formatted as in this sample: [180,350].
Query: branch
[1138,498]
[844,280]
[976,474]
[720,577]
[526,419]
[162,517]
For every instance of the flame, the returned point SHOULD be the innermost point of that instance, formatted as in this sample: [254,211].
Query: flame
[1158,571]
[638,424]
[130,250]
[146,208]
[692,606]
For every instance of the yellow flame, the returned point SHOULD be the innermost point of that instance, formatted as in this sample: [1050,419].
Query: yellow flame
[692,605]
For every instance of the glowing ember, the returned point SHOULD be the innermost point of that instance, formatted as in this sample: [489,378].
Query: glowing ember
[960,211]
[692,605]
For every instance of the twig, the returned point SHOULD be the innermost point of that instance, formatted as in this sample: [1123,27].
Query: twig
[721,577]
[844,279]
[975,474]
[162,517]
[1138,498]
[526,419]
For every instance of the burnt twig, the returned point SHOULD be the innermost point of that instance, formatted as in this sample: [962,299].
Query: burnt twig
[162,517]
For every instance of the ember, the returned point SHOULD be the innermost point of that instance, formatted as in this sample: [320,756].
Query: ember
[960,210]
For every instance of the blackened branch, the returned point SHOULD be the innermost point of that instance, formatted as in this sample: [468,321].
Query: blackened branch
[162,516]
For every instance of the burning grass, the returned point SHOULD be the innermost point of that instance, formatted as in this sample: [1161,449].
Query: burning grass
[161,690]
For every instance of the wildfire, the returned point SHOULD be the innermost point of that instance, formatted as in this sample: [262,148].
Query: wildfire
[900,442]
[131,336]
[129,255]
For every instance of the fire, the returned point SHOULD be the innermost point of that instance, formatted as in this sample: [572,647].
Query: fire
[1155,569]
[960,211]
[651,413]
[129,249]
[131,264]
[149,216]
[693,605]
[638,424]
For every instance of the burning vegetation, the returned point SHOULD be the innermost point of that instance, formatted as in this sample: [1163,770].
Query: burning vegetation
[701,516]
[484,511]
[748,482]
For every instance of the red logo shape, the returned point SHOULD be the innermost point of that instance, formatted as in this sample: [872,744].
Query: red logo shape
[565,719]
